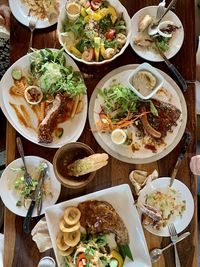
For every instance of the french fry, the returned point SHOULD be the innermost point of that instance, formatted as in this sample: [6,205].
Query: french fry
[75,106]
[79,107]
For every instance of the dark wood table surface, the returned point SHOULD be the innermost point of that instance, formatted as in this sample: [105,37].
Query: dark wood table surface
[20,250]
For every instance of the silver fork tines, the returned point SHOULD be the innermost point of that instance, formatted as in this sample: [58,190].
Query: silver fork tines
[160,10]
[174,237]
[32,25]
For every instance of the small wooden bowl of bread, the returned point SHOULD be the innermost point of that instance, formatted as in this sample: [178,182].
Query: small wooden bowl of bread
[75,164]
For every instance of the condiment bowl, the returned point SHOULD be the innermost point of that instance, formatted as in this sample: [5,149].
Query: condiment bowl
[66,155]
[152,71]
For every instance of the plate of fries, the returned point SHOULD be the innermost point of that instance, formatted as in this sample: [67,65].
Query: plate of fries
[59,117]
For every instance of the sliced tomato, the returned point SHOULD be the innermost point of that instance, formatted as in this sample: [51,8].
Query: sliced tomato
[110,34]
[80,257]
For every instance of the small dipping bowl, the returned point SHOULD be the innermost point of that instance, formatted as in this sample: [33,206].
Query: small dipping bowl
[73,10]
[163,25]
[118,136]
[147,68]
[66,155]
[46,262]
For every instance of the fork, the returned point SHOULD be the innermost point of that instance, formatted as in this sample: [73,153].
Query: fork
[32,25]
[27,177]
[174,237]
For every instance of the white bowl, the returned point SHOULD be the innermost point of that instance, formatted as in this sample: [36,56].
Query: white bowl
[162,25]
[120,10]
[152,70]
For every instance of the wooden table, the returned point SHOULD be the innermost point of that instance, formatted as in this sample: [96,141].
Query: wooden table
[20,250]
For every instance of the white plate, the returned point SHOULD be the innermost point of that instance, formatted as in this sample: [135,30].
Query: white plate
[175,43]
[124,153]
[120,10]
[180,223]
[119,197]
[20,12]
[72,128]
[10,196]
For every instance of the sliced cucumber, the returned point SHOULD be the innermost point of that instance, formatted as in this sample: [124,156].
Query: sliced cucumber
[16,74]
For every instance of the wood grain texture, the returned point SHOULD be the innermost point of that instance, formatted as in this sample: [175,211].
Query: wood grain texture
[20,250]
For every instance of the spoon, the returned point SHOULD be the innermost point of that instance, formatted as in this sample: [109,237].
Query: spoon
[152,30]
[156,253]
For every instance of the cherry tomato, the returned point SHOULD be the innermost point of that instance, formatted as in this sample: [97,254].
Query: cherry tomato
[79,262]
[95,4]
[110,34]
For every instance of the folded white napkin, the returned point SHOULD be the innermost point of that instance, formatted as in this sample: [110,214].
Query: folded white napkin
[40,235]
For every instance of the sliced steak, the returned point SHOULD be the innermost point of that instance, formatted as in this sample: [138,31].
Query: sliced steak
[46,126]
[101,217]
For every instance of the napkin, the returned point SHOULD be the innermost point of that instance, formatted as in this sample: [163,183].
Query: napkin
[140,178]
[40,235]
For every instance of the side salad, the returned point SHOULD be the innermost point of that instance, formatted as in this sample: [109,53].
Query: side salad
[97,34]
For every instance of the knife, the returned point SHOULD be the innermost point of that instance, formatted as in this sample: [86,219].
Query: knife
[40,198]
[186,142]
[34,199]
[176,74]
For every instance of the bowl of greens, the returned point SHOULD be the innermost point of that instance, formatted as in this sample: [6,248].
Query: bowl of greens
[100,33]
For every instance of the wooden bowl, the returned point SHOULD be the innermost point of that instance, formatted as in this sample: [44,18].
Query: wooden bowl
[66,155]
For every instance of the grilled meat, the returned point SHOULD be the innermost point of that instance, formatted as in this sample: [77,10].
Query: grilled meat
[101,217]
[167,117]
[46,126]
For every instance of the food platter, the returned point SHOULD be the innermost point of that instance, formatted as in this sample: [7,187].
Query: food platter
[10,196]
[175,43]
[72,128]
[20,12]
[180,222]
[143,155]
[118,197]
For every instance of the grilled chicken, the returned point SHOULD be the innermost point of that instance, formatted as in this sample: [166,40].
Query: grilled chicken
[45,128]
[101,217]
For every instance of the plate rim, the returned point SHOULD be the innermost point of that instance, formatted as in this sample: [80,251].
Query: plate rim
[19,129]
[27,158]
[116,155]
[164,180]
[155,59]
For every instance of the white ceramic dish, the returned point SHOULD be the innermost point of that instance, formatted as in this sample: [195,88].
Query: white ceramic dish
[175,43]
[119,197]
[72,128]
[10,196]
[20,12]
[172,95]
[146,67]
[120,10]
[180,223]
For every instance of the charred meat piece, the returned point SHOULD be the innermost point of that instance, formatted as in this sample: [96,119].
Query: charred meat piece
[158,126]
[46,126]
[100,216]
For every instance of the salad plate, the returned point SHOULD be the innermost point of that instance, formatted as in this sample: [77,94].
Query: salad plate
[21,12]
[184,195]
[140,150]
[10,196]
[118,197]
[24,116]
[98,35]
[151,54]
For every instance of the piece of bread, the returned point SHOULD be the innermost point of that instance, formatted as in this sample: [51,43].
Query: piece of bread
[144,23]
